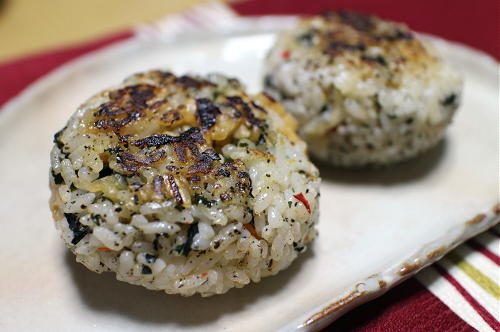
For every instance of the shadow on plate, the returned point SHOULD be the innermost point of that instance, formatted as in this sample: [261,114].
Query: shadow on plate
[103,293]
[407,171]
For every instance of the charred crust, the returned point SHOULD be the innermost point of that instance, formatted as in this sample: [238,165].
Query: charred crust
[258,107]
[186,140]
[336,47]
[114,150]
[358,21]
[225,197]
[194,178]
[204,162]
[124,139]
[130,98]
[235,170]
[189,82]
[158,104]
[399,34]
[132,163]
[171,116]
[227,169]
[374,59]
[207,112]
[223,172]
[174,188]
[159,76]
[125,106]
[158,185]
[268,96]
[179,150]
[366,25]
[243,175]
[349,32]
[116,124]
[243,108]
[244,186]
[192,135]
[163,75]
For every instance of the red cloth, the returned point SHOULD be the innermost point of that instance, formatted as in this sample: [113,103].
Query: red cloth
[18,74]
[408,307]
[474,23]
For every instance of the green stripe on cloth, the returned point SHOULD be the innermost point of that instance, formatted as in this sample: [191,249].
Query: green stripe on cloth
[482,280]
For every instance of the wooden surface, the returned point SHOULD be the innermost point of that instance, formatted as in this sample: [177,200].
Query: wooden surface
[28,26]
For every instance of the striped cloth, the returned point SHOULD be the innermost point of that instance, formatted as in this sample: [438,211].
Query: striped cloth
[466,280]
[459,293]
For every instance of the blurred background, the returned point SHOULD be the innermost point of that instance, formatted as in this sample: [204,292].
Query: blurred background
[34,26]
[28,26]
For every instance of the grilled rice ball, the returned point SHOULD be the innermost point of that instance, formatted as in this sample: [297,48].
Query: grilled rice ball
[183,184]
[365,91]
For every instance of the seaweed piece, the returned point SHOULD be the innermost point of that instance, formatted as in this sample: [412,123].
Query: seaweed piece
[207,112]
[96,219]
[150,258]
[185,248]
[105,171]
[297,247]
[58,179]
[261,140]
[114,150]
[79,230]
[306,38]
[146,270]
[450,100]
[200,199]
[59,144]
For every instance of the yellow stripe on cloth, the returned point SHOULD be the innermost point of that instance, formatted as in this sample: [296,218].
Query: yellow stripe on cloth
[482,280]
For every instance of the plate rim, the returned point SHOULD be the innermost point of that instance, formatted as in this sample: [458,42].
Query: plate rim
[359,293]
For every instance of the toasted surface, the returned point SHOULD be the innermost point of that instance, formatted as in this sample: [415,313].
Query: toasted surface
[352,77]
[174,166]
[363,42]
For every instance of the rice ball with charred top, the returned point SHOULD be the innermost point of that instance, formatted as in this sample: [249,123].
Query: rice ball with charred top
[365,91]
[183,184]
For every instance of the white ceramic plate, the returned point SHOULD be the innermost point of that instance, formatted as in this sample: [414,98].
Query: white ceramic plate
[376,229]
